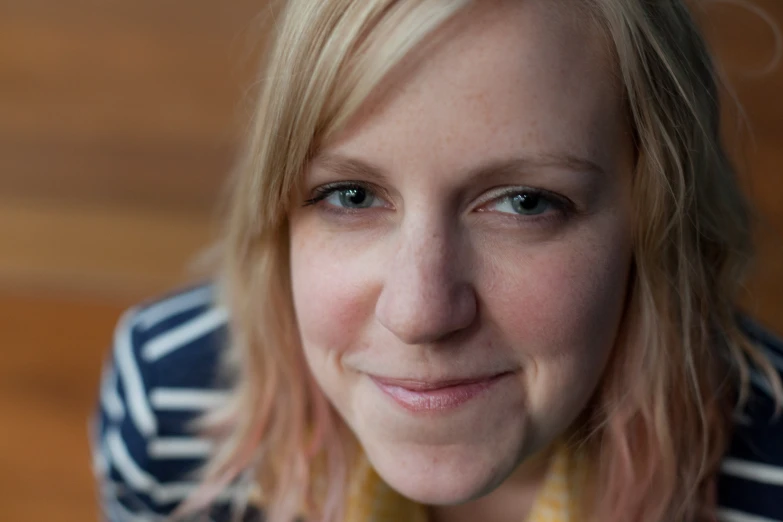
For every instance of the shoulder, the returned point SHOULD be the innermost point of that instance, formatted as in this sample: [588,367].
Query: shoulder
[162,373]
[750,486]
[175,341]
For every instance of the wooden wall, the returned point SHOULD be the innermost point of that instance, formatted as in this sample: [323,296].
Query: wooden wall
[118,121]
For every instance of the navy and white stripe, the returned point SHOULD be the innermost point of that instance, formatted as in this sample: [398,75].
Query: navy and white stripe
[750,486]
[163,374]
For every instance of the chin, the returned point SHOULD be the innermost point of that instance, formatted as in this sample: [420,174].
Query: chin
[433,491]
[440,477]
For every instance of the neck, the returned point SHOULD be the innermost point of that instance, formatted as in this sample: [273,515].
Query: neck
[512,501]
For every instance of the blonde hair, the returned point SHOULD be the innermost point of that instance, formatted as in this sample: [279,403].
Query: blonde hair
[681,361]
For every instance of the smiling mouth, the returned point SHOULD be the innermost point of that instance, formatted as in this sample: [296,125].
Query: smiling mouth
[432,396]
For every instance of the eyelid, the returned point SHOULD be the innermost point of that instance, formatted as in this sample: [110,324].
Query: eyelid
[500,193]
[322,192]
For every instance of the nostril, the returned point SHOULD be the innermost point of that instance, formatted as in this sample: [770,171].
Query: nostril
[417,317]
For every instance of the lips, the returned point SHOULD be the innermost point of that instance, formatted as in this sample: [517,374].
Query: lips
[419,385]
[446,394]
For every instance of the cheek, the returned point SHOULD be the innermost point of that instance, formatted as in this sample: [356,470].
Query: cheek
[575,294]
[559,304]
[332,291]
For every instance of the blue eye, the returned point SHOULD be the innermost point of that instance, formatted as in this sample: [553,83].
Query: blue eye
[528,203]
[351,196]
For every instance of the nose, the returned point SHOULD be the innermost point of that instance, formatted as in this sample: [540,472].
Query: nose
[426,296]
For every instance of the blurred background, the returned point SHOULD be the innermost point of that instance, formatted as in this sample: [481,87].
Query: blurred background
[118,125]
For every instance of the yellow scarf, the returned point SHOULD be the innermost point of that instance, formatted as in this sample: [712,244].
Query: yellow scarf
[371,500]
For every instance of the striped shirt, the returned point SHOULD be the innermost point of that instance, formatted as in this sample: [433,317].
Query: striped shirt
[162,374]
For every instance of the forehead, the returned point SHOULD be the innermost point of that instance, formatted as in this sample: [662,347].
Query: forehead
[503,77]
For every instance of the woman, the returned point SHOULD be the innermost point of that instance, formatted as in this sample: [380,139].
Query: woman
[481,263]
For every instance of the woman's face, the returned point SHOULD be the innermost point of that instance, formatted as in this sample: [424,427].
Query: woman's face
[459,267]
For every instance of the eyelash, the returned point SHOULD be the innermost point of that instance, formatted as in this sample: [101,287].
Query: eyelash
[324,191]
[562,205]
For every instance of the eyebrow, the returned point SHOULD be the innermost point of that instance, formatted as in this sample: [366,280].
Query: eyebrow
[358,168]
